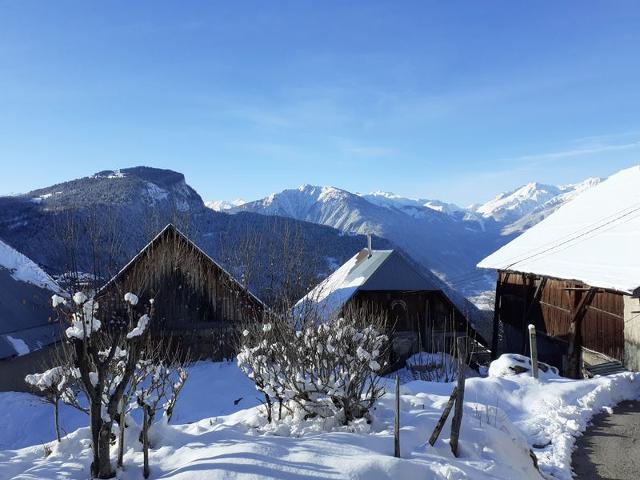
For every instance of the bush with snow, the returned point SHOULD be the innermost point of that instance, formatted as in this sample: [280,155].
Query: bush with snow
[55,384]
[317,370]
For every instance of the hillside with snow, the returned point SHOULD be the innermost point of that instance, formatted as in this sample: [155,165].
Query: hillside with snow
[521,208]
[125,208]
[219,431]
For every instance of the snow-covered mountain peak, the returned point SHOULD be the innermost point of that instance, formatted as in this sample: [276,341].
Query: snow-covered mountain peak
[582,186]
[223,205]
[414,207]
[509,206]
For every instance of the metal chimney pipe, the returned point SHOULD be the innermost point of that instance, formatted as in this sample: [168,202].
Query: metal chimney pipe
[369,244]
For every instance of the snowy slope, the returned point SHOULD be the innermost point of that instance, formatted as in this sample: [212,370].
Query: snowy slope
[504,417]
[133,205]
[530,202]
[440,236]
[542,211]
[222,205]
[593,239]
[443,239]
[414,207]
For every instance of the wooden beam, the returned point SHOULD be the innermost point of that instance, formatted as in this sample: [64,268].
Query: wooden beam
[443,417]
[575,334]
[456,422]
[599,310]
[537,294]
[551,305]
[496,313]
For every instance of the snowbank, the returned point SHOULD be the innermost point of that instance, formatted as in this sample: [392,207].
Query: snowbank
[505,417]
[514,364]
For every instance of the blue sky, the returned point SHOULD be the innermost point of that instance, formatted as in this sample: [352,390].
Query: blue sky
[451,100]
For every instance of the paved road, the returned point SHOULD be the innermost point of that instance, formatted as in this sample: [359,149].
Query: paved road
[610,448]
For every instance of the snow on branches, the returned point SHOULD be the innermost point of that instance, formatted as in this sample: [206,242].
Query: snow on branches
[83,320]
[319,369]
[54,385]
[131,298]
[105,353]
[143,321]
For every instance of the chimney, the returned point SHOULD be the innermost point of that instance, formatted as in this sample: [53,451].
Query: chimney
[369,244]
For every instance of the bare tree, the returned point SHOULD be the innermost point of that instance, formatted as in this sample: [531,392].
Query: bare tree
[104,348]
[54,385]
[278,261]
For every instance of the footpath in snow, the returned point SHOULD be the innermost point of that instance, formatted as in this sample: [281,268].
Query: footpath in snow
[218,432]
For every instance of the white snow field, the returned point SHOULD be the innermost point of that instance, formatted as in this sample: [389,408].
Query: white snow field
[218,433]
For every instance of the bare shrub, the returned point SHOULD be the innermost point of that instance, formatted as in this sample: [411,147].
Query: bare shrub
[312,368]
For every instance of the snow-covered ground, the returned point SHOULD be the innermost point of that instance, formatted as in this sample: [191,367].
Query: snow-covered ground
[217,432]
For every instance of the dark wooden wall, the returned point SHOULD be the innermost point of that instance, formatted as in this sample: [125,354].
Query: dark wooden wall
[427,318]
[602,326]
[195,301]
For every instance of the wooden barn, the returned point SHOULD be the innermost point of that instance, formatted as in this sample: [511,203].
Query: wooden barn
[196,301]
[420,315]
[576,277]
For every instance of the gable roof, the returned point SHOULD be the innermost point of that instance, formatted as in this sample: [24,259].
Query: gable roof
[170,229]
[382,270]
[592,239]
[25,304]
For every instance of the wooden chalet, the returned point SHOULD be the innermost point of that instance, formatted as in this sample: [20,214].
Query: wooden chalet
[576,277]
[420,315]
[196,301]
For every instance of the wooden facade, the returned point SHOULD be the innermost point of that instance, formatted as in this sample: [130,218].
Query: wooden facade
[567,315]
[423,320]
[195,300]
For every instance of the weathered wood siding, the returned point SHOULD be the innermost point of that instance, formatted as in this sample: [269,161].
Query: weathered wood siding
[422,320]
[195,300]
[602,327]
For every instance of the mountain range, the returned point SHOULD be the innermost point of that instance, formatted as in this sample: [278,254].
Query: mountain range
[447,239]
[58,228]
[119,211]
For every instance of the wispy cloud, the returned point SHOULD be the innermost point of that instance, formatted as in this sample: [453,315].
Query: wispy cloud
[577,152]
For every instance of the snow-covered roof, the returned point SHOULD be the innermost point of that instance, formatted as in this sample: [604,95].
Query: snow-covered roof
[25,304]
[593,239]
[24,269]
[382,270]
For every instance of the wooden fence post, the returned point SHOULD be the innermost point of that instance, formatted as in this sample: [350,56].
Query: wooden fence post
[443,417]
[145,441]
[122,424]
[533,347]
[396,426]
[456,423]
